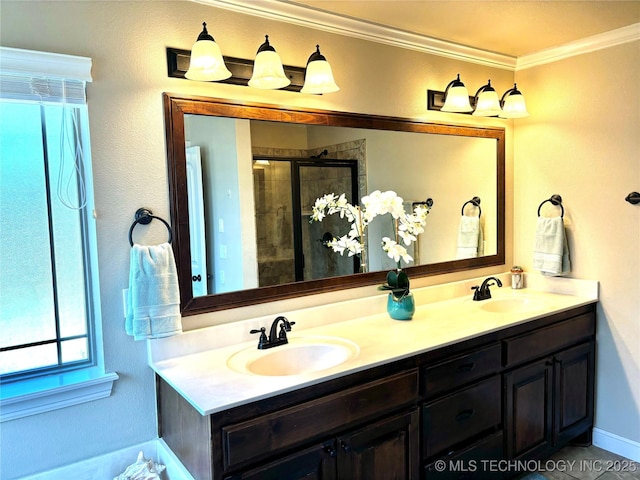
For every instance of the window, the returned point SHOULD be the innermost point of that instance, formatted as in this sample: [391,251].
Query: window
[48,289]
[46,317]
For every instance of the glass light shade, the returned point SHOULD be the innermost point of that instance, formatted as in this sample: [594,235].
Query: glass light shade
[268,72]
[457,100]
[488,104]
[456,97]
[514,107]
[318,76]
[206,63]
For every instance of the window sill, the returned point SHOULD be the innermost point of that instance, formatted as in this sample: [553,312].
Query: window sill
[38,395]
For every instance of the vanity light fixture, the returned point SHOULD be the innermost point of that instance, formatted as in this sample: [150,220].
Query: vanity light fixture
[513,104]
[318,75]
[456,97]
[268,73]
[487,102]
[206,63]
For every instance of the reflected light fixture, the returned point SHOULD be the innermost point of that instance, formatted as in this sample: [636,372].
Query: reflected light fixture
[487,102]
[456,97]
[268,73]
[513,104]
[318,77]
[206,63]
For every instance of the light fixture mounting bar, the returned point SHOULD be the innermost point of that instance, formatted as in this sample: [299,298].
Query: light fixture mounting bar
[241,69]
[435,101]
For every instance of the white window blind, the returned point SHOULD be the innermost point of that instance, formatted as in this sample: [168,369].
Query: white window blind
[28,75]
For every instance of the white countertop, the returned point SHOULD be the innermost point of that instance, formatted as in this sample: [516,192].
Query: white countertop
[195,363]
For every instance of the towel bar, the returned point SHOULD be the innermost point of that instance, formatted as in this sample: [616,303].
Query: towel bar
[144,217]
[475,201]
[556,200]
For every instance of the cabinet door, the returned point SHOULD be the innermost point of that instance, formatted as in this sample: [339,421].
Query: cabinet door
[474,462]
[315,463]
[386,450]
[528,419]
[573,395]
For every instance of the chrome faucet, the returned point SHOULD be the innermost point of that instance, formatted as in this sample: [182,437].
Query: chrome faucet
[275,338]
[482,292]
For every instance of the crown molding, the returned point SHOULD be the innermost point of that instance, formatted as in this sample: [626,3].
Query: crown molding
[609,39]
[308,17]
[312,18]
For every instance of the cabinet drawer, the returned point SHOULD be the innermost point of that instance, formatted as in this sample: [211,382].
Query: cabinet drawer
[461,370]
[473,462]
[543,341]
[264,436]
[460,416]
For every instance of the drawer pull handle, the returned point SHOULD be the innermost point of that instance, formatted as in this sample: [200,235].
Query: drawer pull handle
[345,446]
[466,367]
[465,415]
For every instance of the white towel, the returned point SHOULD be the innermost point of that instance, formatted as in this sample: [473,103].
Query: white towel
[470,238]
[551,251]
[153,309]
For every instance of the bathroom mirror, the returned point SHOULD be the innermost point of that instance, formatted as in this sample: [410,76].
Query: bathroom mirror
[220,224]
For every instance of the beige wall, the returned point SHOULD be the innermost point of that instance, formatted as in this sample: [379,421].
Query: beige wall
[582,141]
[127,42]
[584,147]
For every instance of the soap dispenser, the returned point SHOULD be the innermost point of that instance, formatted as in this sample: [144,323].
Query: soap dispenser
[517,277]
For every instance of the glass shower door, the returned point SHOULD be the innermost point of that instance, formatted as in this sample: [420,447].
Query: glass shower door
[315,180]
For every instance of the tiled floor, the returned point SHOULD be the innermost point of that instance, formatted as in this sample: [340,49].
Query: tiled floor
[589,463]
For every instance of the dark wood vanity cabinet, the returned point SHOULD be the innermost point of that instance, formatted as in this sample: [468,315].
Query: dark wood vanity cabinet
[370,430]
[549,402]
[387,449]
[518,393]
[462,415]
[549,399]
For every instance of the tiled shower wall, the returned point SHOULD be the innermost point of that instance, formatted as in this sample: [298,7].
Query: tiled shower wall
[273,205]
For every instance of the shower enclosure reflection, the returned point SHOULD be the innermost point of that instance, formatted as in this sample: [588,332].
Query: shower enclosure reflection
[290,248]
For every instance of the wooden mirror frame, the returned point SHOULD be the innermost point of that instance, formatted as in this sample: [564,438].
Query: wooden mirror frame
[176,106]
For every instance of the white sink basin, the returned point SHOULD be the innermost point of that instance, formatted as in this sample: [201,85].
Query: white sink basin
[301,355]
[512,304]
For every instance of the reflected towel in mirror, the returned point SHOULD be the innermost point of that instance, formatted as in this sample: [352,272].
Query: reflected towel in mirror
[470,238]
[153,307]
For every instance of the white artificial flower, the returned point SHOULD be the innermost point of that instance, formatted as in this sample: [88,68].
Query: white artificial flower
[395,251]
[353,247]
[407,237]
[408,226]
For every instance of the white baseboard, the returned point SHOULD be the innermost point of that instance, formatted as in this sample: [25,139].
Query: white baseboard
[112,464]
[616,444]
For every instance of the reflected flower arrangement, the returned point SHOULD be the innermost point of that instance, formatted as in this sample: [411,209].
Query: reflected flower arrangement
[407,226]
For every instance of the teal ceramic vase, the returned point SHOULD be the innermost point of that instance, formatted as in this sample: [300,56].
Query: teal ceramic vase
[402,309]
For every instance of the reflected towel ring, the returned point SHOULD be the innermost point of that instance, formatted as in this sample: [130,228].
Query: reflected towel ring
[556,200]
[475,201]
[144,217]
